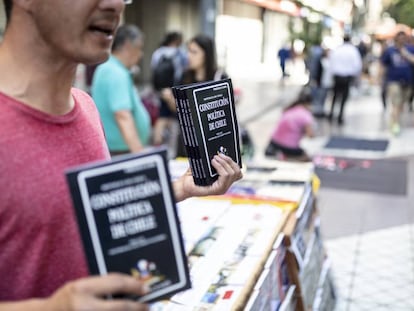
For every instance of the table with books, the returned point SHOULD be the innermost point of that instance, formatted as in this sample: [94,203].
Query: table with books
[258,247]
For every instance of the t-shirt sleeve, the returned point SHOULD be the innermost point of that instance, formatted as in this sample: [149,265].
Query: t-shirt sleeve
[306,118]
[119,95]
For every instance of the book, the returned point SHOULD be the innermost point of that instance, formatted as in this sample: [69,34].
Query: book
[208,122]
[128,221]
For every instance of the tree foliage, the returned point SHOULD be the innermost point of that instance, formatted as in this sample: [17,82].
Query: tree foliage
[402,11]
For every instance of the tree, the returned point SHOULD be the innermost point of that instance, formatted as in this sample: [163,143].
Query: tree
[402,11]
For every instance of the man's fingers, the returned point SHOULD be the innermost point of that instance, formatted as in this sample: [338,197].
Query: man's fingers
[225,166]
[113,283]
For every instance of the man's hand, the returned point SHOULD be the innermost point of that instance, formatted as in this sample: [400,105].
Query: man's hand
[228,172]
[88,294]
[407,54]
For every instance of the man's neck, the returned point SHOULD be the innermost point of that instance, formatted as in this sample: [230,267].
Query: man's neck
[122,57]
[34,78]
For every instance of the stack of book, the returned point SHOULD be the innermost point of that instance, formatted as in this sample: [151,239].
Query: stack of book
[207,117]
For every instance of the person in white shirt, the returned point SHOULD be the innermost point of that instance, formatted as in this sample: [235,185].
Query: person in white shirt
[346,64]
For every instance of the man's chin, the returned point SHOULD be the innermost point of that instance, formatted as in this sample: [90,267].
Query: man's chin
[95,59]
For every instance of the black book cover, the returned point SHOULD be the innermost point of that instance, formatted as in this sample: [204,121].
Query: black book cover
[128,221]
[215,123]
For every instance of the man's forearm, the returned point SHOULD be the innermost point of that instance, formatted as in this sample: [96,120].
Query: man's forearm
[32,305]
[408,55]
[128,130]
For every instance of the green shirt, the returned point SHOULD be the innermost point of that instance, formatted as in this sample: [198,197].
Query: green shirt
[113,90]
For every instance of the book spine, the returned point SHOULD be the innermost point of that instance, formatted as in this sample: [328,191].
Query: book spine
[204,160]
[188,141]
[235,124]
[196,141]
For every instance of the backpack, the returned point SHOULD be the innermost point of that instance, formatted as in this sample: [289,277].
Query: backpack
[151,102]
[164,73]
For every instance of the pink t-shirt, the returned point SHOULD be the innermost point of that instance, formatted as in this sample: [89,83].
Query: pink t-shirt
[291,126]
[40,247]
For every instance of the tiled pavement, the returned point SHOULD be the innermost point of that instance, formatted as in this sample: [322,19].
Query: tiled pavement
[374,270]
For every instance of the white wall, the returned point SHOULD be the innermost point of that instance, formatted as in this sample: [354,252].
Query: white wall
[276,34]
[238,43]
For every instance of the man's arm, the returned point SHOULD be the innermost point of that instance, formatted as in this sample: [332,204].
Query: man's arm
[126,124]
[407,55]
[32,304]
[310,130]
[87,293]
[168,97]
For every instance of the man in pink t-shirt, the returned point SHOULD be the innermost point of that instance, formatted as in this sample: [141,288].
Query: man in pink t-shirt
[47,127]
[295,123]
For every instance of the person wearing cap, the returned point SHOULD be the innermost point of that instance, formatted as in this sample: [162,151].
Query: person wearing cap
[46,127]
[295,123]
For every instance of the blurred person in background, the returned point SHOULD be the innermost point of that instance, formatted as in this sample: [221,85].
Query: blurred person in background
[284,54]
[167,64]
[295,123]
[47,127]
[314,67]
[397,61]
[126,122]
[202,61]
[410,43]
[346,66]
[382,75]
[314,55]
[321,85]
[202,66]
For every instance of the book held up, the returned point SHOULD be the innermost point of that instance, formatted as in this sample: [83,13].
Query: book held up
[128,221]
[208,122]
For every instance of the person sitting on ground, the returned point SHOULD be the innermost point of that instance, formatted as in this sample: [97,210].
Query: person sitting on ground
[295,123]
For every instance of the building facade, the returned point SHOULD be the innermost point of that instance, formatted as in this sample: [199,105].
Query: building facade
[247,32]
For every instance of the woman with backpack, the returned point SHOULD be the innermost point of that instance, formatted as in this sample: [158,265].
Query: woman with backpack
[202,66]
[167,65]
[202,61]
